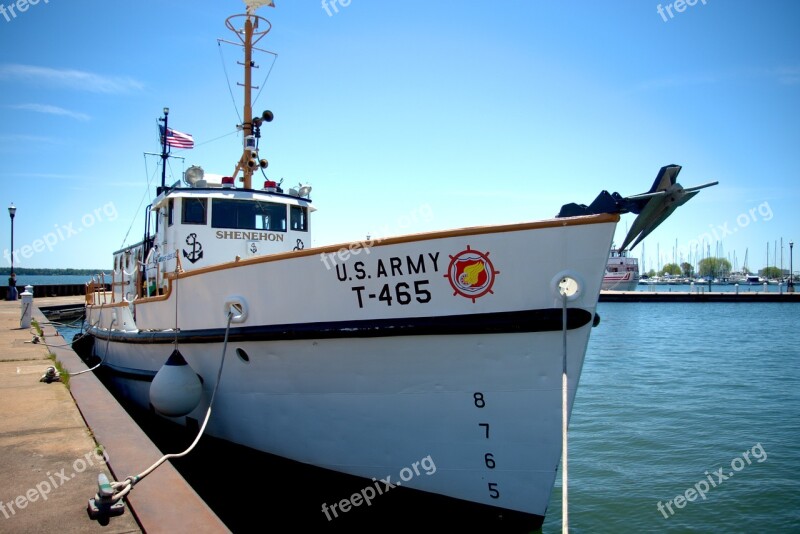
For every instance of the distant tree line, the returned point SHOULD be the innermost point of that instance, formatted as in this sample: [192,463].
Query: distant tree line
[712,267]
[772,272]
[48,271]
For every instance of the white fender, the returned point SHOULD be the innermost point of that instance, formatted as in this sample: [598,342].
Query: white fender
[176,388]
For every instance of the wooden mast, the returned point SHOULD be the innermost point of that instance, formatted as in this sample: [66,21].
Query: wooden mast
[248,157]
[249,161]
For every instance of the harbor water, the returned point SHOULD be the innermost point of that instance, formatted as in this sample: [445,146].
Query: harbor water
[672,391]
[687,419]
[48,279]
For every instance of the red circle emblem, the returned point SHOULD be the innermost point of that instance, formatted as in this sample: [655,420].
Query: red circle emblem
[471,274]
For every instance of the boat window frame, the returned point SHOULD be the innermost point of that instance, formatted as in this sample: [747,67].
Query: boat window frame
[259,207]
[302,224]
[186,202]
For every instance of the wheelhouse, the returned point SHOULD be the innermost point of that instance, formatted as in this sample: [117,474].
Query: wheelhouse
[207,224]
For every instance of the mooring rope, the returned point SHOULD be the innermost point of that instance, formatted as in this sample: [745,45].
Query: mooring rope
[51,374]
[57,323]
[124,487]
[40,339]
[564,476]
[108,339]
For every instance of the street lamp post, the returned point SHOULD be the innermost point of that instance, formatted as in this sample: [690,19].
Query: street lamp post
[790,285]
[12,280]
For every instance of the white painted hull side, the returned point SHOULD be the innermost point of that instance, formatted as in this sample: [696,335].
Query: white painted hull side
[370,407]
[343,380]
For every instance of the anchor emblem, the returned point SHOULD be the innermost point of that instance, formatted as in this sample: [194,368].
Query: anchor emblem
[253,248]
[197,248]
[299,245]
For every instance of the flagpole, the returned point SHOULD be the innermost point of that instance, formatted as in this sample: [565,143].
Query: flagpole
[164,154]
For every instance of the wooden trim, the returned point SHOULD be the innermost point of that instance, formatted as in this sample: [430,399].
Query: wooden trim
[156,298]
[475,230]
[441,234]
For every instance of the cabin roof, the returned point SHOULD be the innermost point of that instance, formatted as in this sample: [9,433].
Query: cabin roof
[230,193]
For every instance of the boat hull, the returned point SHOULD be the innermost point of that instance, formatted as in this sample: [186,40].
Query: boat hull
[627,281]
[433,361]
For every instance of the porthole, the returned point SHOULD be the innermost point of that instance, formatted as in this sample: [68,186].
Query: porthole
[243,355]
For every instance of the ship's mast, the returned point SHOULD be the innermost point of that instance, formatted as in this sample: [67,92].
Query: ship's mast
[247,125]
[248,37]
[164,149]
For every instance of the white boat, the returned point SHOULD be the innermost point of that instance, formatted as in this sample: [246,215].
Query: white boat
[622,272]
[441,350]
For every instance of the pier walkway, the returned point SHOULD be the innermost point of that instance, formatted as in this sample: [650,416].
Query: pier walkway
[48,437]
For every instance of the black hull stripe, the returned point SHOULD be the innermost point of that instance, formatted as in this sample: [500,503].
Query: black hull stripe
[130,374]
[545,320]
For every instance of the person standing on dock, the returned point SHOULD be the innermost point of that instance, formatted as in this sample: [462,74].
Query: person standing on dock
[12,287]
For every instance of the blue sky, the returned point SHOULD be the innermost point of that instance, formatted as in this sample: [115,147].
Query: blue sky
[409,116]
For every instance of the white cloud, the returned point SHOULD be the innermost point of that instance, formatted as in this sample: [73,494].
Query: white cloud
[789,75]
[74,79]
[11,138]
[53,110]
[38,175]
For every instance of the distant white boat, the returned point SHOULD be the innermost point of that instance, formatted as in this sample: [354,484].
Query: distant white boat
[622,272]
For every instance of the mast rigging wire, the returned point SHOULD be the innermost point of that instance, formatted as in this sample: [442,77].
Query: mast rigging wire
[228,81]
[138,209]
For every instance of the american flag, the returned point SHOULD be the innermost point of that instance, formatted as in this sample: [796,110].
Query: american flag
[177,139]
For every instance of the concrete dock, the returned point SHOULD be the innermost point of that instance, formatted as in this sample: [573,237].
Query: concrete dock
[49,435]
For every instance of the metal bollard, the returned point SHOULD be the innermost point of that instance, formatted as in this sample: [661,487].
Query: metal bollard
[27,307]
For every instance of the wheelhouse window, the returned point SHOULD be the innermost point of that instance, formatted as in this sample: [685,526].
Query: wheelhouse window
[194,211]
[298,218]
[248,215]
[170,210]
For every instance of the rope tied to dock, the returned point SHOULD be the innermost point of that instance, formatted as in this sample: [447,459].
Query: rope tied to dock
[103,359]
[51,375]
[110,494]
[70,324]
